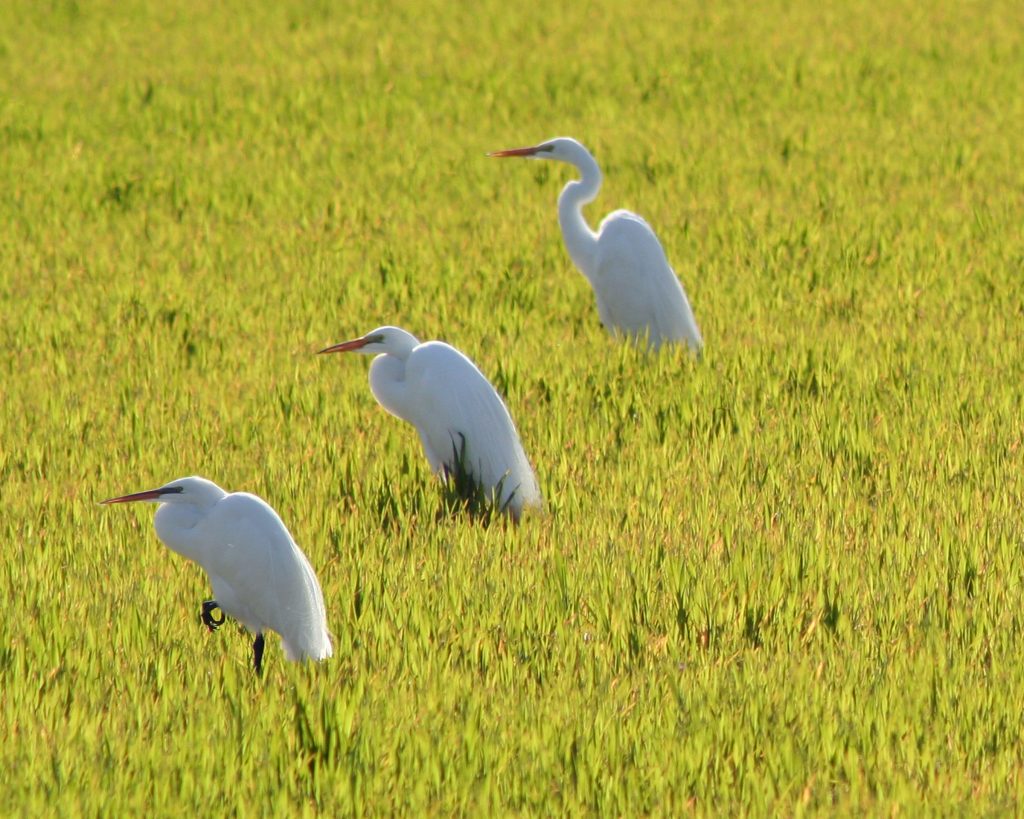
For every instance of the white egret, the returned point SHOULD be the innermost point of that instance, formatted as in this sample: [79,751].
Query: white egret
[460,418]
[638,293]
[259,575]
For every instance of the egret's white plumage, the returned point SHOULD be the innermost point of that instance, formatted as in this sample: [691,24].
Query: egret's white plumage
[637,292]
[258,573]
[451,404]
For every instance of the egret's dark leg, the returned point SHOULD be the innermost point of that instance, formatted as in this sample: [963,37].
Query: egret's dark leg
[257,653]
[208,619]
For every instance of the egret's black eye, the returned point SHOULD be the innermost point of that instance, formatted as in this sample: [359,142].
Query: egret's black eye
[172,490]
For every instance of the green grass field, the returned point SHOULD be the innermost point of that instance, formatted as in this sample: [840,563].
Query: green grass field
[784,579]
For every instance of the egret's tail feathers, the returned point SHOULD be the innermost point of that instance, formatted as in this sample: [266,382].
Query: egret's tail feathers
[308,647]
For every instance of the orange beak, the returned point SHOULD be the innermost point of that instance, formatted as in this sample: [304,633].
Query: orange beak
[346,346]
[149,494]
[516,151]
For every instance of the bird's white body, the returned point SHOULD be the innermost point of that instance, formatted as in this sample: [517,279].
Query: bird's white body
[259,575]
[451,403]
[638,293]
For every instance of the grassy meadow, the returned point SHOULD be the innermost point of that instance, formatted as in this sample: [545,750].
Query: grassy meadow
[783,579]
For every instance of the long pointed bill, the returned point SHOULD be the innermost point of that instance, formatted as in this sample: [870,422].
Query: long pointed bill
[347,346]
[531,151]
[148,495]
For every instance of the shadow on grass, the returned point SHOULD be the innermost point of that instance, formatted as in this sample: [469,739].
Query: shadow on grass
[462,494]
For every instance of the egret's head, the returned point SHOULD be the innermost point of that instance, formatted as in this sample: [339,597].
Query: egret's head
[192,490]
[564,149]
[384,340]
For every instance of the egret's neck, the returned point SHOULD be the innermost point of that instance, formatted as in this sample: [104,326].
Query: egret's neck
[580,240]
[173,523]
[387,383]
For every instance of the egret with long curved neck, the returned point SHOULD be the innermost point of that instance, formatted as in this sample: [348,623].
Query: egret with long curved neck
[637,292]
[258,573]
[462,422]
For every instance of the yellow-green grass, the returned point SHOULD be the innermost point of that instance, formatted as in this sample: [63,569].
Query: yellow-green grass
[784,578]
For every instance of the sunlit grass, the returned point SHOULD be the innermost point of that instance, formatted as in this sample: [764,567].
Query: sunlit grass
[783,578]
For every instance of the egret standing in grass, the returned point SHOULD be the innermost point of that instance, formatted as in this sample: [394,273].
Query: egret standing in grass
[638,293]
[259,575]
[462,422]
